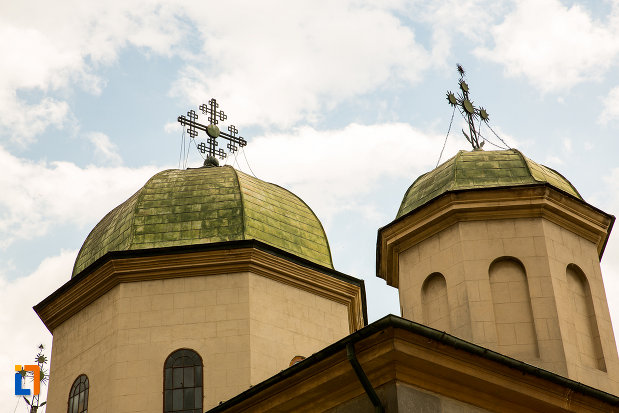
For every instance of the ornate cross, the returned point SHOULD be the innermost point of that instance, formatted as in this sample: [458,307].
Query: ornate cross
[213,132]
[468,110]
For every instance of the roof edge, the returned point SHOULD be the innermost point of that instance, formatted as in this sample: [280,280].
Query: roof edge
[566,180]
[239,244]
[427,332]
[379,246]
[455,191]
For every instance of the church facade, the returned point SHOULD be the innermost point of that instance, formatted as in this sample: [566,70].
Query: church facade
[210,290]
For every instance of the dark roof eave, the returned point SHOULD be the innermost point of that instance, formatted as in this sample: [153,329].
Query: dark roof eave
[225,245]
[427,332]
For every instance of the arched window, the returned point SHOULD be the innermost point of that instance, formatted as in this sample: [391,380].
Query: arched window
[78,397]
[182,382]
[295,360]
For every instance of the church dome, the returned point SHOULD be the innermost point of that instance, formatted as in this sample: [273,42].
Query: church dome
[207,205]
[478,170]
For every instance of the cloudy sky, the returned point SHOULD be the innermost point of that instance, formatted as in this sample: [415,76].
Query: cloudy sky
[342,102]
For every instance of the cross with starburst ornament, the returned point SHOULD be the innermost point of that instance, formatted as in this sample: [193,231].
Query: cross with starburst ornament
[468,110]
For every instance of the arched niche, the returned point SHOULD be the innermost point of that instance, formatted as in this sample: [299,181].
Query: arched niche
[512,309]
[435,303]
[585,322]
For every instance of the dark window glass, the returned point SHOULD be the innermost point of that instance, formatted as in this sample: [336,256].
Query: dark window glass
[188,399]
[188,377]
[178,399]
[182,382]
[178,378]
[198,401]
[78,396]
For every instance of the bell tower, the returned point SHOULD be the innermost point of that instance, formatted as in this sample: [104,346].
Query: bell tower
[498,250]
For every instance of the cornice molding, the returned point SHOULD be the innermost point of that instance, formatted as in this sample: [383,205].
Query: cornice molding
[540,201]
[75,295]
[393,354]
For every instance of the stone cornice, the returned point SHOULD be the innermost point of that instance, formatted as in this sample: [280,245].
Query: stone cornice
[394,349]
[486,204]
[79,292]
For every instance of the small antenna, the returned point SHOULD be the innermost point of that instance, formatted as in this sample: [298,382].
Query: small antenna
[469,112]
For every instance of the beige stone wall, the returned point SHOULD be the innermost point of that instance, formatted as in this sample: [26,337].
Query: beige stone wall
[464,252]
[85,344]
[146,321]
[206,314]
[245,327]
[286,321]
[440,253]
[566,249]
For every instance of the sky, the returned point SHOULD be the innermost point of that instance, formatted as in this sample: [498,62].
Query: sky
[343,103]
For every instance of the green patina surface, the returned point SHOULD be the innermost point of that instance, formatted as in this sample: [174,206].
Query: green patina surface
[481,169]
[206,205]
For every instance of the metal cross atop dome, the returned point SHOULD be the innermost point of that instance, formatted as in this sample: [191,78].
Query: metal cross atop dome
[468,110]
[212,131]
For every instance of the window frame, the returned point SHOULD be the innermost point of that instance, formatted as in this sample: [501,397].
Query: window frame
[171,363]
[77,390]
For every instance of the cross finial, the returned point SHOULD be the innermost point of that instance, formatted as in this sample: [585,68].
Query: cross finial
[468,110]
[213,132]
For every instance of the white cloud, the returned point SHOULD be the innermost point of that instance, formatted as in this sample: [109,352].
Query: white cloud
[172,127]
[36,196]
[332,169]
[23,122]
[48,48]
[611,107]
[554,46]
[104,148]
[270,71]
[22,329]
[553,161]
[277,70]
[451,19]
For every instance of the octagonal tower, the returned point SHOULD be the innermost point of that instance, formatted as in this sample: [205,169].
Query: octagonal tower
[501,251]
[202,283]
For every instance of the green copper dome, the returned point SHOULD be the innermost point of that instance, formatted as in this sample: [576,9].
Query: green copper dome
[481,169]
[206,205]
